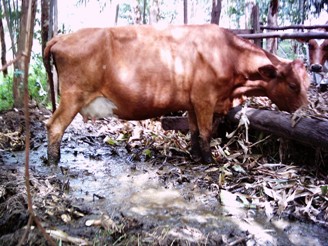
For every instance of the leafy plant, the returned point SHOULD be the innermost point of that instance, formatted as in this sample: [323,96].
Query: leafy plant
[6,92]
[37,85]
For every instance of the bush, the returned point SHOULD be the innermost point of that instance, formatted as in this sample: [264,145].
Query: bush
[37,81]
[37,85]
[6,92]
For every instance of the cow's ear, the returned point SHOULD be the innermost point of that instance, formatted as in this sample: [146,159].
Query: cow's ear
[268,72]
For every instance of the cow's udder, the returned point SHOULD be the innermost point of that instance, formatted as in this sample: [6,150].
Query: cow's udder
[101,107]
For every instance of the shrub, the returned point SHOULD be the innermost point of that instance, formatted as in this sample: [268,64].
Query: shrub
[37,85]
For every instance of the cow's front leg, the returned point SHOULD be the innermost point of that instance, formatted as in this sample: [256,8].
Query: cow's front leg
[204,122]
[57,125]
[194,132]
[205,146]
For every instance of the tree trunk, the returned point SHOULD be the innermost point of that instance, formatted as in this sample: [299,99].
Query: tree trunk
[117,10]
[49,21]
[18,81]
[185,11]
[45,24]
[49,28]
[7,12]
[3,46]
[137,17]
[249,4]
[144,12]
[216,11]
[54,17]
[272,44]
[154,12]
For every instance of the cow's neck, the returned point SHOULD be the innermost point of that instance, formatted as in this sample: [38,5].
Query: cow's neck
[250,88]
[250,82]
[257,59]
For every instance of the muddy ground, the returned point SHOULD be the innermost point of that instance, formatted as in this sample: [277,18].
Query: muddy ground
[131,183]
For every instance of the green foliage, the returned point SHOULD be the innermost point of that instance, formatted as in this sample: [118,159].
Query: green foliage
[37,85]
[167,13]
[147,153]
[126,12]
[236,10]
[6,92]
[110,141]
[324,190]
[37,81]
[263,6]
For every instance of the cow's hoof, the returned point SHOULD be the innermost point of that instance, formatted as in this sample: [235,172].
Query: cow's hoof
[209,160]
[196,154]
[52,161]
[53,153]
[196,158]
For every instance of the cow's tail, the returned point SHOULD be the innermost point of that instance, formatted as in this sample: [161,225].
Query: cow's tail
[47,64]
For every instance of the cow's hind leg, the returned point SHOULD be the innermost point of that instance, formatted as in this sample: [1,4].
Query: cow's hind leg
[57,124]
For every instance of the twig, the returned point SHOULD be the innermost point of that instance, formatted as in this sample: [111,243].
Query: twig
[29,223]
[240,240]
[28,135]
[19,56]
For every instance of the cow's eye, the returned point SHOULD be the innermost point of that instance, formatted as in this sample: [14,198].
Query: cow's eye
[325,47]
[311,46]
[293,86]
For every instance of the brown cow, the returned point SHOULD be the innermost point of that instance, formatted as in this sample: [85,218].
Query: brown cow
[318,59]
[140,72]
[318,53]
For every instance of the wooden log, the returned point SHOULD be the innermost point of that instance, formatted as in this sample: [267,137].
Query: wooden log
[307,131]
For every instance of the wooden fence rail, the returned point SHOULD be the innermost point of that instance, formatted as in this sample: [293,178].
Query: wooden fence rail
[298,27]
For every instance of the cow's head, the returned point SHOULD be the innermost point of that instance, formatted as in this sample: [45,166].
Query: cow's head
[287,84]
[318,51]
[318,54]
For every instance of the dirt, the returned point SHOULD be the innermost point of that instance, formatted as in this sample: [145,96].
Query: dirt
[130,183]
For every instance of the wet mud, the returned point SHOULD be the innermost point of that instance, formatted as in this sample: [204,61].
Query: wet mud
[105,194]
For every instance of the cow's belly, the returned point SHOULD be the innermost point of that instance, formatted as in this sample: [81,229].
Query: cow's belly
[101,107]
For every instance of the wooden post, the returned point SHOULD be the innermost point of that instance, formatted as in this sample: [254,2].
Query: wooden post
[256,24]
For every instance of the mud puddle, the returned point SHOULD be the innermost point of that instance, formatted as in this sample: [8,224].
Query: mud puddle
[168,202]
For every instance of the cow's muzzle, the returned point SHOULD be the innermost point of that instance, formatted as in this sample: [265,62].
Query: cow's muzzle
[317,68]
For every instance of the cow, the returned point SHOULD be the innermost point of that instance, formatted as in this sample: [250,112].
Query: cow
[318,56]
[318,53]
[141,72]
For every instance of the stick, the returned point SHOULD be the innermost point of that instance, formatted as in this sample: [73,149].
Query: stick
[19,56]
